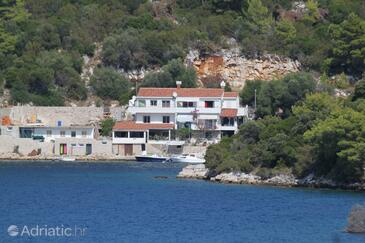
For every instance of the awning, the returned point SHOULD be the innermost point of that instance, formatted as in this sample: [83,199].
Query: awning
[184,118]
[229,112]
[207,117]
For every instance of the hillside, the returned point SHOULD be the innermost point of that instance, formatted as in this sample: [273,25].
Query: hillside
[46,46]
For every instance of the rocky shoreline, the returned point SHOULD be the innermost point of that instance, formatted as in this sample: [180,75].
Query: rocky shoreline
[282,180]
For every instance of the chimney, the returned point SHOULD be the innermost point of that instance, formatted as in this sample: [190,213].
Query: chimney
[178,84]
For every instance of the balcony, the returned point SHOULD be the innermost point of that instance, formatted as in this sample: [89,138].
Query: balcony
[173,110]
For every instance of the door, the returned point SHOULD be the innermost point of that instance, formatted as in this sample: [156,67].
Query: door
[63,148]
[128,149]
[88,149]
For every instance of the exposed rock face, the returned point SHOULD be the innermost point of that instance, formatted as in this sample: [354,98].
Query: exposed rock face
[233,67]
[287,180]
[236,177]
[357,220]
[194,172]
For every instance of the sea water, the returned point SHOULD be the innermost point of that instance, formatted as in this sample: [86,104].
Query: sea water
[135,202]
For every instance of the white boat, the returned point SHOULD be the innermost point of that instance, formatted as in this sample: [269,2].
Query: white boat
[68,159]
[151,158]
[186,158]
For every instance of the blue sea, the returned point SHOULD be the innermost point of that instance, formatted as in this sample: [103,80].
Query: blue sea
[125,202]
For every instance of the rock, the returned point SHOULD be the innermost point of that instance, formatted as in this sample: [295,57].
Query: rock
[356,220]
[283,179]
[33,153]
[236,69]
[237,177]
[194,171]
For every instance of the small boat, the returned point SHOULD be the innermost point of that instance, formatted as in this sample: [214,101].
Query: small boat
[67,159]
[186,158]
[151,158]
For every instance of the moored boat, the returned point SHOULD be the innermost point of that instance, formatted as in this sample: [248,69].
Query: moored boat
[186,158]
[151,158]
[67,159]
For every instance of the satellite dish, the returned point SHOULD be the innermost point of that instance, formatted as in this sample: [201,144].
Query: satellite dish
[174,94]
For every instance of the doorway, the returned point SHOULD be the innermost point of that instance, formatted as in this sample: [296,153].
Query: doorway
[128,149]
[88,149]
[63,148]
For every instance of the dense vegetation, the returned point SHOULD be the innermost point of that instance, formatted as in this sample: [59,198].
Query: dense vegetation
[319,134]
[42,42]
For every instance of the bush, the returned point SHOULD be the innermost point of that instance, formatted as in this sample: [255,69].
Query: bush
[109,84]
[107,127]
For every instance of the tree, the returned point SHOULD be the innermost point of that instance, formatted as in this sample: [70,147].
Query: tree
[107,127]
[285,32]
[247,94]
[340,145]
[258,17]
[348,51]
[12,13]
[359,92]
[278,96]
[173,71]
[124,51]
[312,15]
[109,84]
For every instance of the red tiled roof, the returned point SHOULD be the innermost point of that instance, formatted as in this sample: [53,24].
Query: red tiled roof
[181,92]
[231,94]
[229,113]
[131,125]
[156,92]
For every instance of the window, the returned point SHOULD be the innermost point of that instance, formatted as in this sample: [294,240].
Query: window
[146,119]
[9,129]
[186,104]
[166,119]
[165,103]
[136,134]
[49,133]
[227,121]
[120,134]
[73,134]
[153,102]
[141,103]
[209,124]
[62,133]
[83,134]
[209,104]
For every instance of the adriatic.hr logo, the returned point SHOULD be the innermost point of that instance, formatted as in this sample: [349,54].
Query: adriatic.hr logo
[46,231]
[13,230]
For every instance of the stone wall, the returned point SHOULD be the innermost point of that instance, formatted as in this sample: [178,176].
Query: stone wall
[236,69]
[25,145]
[68,115]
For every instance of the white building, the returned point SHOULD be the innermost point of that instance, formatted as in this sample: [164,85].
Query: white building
[159,113]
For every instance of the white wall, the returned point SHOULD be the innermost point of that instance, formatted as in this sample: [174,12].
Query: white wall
[154,118]
[56,132]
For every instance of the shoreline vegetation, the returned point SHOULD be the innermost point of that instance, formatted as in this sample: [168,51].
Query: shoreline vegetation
[200,172]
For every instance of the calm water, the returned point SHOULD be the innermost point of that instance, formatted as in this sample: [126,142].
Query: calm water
[126,203]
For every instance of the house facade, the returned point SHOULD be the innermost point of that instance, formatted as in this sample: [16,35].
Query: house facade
[56,131]
[160,115]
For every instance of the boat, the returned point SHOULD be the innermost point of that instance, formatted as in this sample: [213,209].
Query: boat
[186,158]
[67,159]
[151,158]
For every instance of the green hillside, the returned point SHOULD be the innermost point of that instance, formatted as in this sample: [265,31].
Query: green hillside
[42,42]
